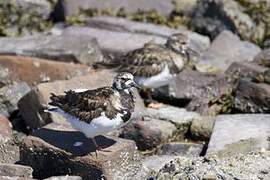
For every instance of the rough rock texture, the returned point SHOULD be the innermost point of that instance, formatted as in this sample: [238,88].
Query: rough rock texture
[252,97]
[75,48]
[185,86]
[60,145]
[198,42]
[9,151]
[251,166]
[263,58]
[64,178]
[15,170]
[10,95]
[148,133]
[66,7]
[34,70]
[31,104]
[239,133]
[226,49]
[114,42]
[201,128]
[212,17]
[182,149]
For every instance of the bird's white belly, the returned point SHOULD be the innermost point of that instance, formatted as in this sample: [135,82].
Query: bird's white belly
[156,81]
[98,126]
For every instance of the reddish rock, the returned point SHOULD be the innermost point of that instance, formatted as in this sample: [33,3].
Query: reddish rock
[34,70]
[52,151]
[5,129]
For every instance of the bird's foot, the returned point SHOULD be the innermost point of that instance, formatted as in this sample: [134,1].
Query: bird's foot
[155,105]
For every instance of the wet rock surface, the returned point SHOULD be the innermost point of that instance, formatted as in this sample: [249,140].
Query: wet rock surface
[58,144]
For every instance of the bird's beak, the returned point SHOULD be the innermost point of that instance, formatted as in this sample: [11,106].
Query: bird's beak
[134,84]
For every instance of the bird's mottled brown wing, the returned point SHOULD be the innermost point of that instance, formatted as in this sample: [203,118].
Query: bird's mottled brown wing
[87,105]
[147,61]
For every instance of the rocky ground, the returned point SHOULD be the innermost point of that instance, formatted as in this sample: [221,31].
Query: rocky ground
[216,121]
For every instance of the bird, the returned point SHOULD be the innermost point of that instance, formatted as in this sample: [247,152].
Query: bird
[154,65]
[97,111]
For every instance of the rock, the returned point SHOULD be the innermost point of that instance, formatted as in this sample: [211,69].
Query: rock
[10,95]
[185,86]
[54,147]
[252,97]
[148,133]
[9,152]
[201,128]
[212,17]
[179,117]
[254,165]
[75,48]
[239,133]
[66,8]
[14,178]
[15,170]
[31,105]
[114,42]
[226,49]
[244,69]
[182,149]
[64,178]
[217,97]
[198,42]
[34,71]
[263,58]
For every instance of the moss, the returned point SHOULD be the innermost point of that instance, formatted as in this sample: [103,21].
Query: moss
[15,21]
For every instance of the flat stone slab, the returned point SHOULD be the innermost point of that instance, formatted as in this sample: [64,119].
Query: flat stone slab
[240,133]
[15,170]
[58,149]
[182,149]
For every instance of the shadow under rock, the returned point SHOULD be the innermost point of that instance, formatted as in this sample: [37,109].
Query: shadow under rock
[67,140]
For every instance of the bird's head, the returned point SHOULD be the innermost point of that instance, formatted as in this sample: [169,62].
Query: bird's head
[124,81]
[178,42]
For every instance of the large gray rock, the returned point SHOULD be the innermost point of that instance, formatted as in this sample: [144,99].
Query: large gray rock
[10,96]
[54,149]
[69,7]
[252,97]
[226,49]
[213,16]
[31,105]
[34,71]
[15,170]
[114,42]
[198,42]
[182,149]
[148,133]
[201,128]
[239,133]
[80,48]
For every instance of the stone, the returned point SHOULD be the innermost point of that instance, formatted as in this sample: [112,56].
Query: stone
[114,42]
[14,178]
[34,71]
[244,69]
[53,150]
[212,17]
[64,178]
[182,149]
[15,170]
[263,58]
[254,165]
[239,133]
[198,42]
[217,98]
[9,151]
[185,86]
[226,49]
[67,8]
[252,97]
[148,133]
[201,128]
[32,104]
[10,96]
[76,48]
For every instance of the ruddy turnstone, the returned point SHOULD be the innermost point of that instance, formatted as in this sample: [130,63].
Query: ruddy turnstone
[99,111]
